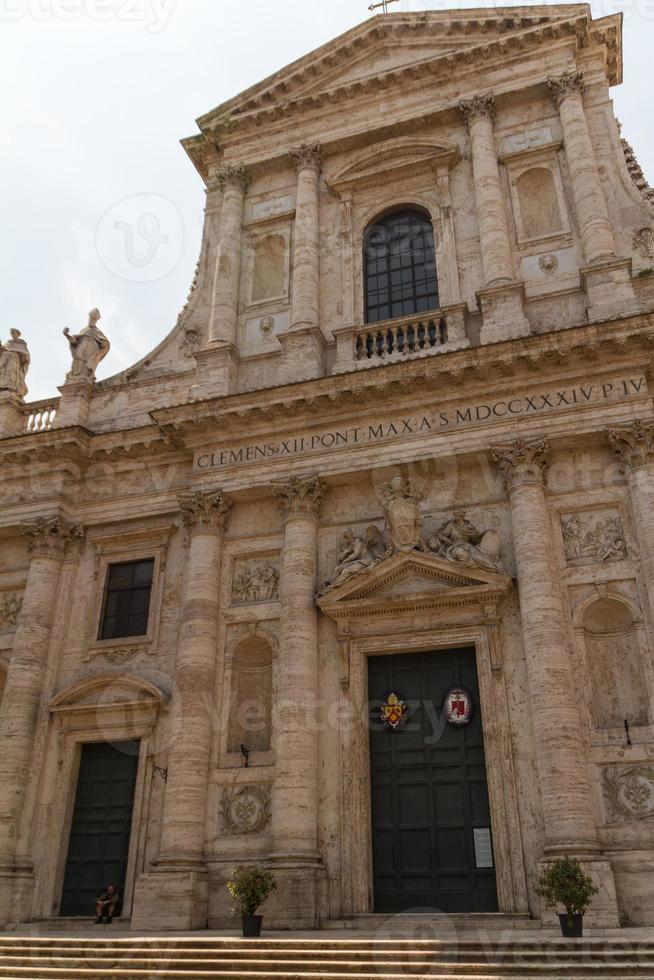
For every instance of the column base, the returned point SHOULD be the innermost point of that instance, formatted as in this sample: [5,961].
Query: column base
[171,899]
[218,371]
[12,420]
[610,290]
[75,402]
[300,896]
[16,892]
[603,913]
[503,313]
[302,354]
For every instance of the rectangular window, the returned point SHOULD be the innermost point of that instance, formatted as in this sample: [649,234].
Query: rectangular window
[127,600]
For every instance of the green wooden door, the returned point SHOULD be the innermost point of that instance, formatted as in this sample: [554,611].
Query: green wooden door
[430,813]
[102,820]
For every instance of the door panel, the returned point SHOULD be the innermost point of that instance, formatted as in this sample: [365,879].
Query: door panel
[102,820]
[429,789]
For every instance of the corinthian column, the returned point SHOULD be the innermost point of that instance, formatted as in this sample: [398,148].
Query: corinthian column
[178,886]
[234,182]
[49,543]
[634,445]
[566,800]
[567,93]
[295,715]
[303,345]
[306,263]
[501,297]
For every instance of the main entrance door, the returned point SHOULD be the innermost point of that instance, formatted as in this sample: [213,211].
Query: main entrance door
[430,813]
[102,819]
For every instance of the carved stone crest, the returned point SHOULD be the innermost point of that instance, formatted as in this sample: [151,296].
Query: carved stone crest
[628,793]
[592,538]
[245,809]
[256,583]
[10,606]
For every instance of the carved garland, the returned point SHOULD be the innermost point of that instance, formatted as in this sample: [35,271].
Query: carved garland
[246,809]
[629,793]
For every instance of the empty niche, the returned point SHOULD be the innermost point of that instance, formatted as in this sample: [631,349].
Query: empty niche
[613,658]
[539,203]
[250,707]
[268,269]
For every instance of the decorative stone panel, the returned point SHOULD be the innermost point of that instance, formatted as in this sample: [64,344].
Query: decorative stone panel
[596,536]
[10,605]
[245,809]
[255,581]
[628,793]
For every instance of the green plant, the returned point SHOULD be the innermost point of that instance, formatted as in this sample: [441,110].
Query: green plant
[250,886]
[564,883]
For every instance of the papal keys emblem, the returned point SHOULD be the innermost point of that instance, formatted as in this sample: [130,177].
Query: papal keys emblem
[393,712]
[458,706]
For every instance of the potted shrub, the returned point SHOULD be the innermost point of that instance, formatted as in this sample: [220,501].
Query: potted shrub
[563,883]
[250,886]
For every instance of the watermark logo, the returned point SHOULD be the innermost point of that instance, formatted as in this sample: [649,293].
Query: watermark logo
[154,14]
[141,238]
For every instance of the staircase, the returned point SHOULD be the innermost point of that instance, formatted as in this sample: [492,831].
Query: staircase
[197,957]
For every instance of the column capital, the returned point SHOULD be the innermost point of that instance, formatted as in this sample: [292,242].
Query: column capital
[52,537]
[300,496]
[307,156]
[233,175]
[634,443]
[204,510]
[478,107]
[522,462]
[561,86]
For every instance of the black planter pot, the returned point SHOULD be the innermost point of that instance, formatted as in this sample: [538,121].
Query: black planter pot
[251,926]
[572,926]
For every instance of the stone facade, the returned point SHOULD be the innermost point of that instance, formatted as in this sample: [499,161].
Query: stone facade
[314,490]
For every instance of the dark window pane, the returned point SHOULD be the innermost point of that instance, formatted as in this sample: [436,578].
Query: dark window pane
[400,266]
[127,599]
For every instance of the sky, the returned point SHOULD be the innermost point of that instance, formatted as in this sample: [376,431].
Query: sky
[101,207]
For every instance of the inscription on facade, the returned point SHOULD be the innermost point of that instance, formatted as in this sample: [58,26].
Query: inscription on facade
[431,422]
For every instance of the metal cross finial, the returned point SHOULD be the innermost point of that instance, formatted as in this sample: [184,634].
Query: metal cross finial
[384,5]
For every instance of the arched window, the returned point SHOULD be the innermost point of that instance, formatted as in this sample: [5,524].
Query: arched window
[400,266]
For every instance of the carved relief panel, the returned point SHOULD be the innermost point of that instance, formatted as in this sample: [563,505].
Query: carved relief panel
[245,810]
[628,793]
[255,580]
[10,605]
[593,536]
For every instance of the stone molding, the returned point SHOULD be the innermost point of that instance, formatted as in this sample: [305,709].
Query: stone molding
[53,537]
[233,175]
[479,107]
[307,157]
[522,462]
[562,86]
[204,511]
[634,444]
[300,497]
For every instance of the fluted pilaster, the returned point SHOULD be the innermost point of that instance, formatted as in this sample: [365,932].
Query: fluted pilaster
[234,181]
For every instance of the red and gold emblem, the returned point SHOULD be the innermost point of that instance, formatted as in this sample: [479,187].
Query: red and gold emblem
[393,712]
[458,706]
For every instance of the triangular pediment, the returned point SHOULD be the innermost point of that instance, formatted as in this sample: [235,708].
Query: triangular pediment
[413,580]
[387,46]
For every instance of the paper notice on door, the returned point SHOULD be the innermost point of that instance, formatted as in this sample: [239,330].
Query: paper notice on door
[483,847]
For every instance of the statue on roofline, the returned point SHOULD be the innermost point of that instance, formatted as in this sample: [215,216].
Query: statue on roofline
[88,348]
[14,362]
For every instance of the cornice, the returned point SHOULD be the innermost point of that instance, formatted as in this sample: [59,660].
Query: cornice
[274,103]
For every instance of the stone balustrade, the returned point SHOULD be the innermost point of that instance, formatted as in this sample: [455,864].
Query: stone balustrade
[388,341]
[40,416]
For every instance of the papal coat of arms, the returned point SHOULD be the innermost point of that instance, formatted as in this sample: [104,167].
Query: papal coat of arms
[393,712]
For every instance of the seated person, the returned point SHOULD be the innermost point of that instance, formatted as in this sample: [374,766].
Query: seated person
[107,905]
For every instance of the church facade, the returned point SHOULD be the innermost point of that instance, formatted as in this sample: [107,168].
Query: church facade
[353,576]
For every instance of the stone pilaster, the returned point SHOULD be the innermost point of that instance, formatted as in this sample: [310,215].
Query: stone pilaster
[295,719]
[553,689]
[607,279]
[502,297]
[234,181]
[50,542]
[303,344]
[175,894]
[634,445]
[12,419]
[75,402]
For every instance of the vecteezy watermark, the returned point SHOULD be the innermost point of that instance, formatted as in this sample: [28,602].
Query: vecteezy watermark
[141,238]
[154,14]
